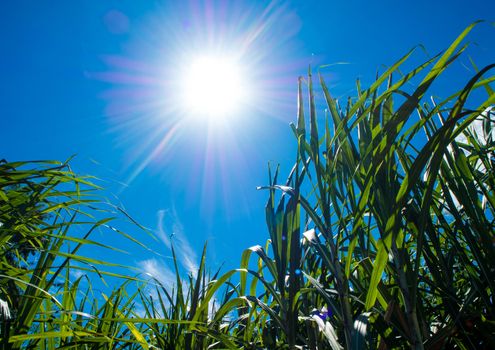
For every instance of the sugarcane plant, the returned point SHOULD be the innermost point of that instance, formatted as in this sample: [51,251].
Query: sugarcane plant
[395,199]
[47,215]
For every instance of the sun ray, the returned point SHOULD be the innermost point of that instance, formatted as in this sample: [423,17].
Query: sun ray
[194,133]
[166,141]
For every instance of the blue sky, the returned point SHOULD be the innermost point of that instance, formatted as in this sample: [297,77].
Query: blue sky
[101,79]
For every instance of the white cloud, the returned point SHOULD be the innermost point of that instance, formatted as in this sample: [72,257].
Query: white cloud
[476,127]
[157,269]
[170,230]
[483,137]
[75,274]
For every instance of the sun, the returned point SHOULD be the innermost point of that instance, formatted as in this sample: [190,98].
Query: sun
[213,88]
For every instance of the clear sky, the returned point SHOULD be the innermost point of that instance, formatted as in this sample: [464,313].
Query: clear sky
[105,80]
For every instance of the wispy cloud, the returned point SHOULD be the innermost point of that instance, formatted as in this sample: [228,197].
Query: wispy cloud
[477,130]
[170,230]
[483,135]
[75,274]
[157,269]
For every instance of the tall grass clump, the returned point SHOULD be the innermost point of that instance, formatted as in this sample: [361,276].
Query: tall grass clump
[383,235]
[48,295]
[47,216]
